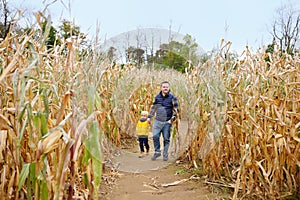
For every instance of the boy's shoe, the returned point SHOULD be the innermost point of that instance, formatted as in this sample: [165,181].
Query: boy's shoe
[156,155]
[141,155]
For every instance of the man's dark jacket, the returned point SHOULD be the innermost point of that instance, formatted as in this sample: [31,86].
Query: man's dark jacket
[165,107]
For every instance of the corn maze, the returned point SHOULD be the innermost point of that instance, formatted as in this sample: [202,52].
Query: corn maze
[60,113]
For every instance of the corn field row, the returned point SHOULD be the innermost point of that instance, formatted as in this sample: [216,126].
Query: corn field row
[248,133]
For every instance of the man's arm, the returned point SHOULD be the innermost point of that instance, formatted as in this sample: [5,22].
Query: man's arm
[175,108]
[152,110]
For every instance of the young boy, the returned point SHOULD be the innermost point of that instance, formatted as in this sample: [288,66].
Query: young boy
[142,131]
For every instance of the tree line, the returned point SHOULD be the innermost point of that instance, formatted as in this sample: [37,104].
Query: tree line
[179,56]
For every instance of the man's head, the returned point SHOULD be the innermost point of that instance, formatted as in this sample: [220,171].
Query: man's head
[165,87]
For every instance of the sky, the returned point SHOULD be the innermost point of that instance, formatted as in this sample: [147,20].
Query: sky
[239,21]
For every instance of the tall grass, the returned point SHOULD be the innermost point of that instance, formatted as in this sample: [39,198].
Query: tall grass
[248,133]
[52,126]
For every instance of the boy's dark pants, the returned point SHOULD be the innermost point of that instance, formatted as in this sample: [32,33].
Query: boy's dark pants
[144,142]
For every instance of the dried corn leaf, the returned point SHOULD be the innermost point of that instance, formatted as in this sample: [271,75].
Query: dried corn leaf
[3,138]
[50,142]
[4,123]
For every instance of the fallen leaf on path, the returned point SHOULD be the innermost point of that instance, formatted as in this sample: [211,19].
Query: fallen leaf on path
[180,181]
[154,187]
[174,183]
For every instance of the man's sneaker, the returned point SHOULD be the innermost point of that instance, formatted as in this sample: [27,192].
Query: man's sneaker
[156,155]
[165,158]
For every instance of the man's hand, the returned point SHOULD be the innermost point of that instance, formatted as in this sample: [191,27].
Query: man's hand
[148,120]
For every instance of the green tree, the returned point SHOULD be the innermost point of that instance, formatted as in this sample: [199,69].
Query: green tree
[270,49]
[135,55]
[175,61]
[177,55]
[111,54]
[51,32]
[189,49]
[68,29]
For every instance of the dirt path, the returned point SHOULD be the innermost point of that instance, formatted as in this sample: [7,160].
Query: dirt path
[164,184]
[141,178]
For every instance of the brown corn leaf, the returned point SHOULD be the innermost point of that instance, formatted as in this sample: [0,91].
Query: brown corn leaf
[50,142]
[4,123]
[3,138]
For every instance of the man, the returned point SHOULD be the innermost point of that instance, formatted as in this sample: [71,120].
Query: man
[165,106]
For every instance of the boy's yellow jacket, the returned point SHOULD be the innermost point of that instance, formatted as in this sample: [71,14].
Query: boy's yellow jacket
[142,128]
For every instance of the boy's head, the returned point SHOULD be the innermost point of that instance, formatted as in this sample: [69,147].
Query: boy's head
[144,114]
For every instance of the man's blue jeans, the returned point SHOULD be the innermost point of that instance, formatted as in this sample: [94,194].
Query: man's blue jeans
[163,128]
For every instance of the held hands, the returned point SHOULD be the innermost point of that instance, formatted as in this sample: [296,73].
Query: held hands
[172,120]
[169,121]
